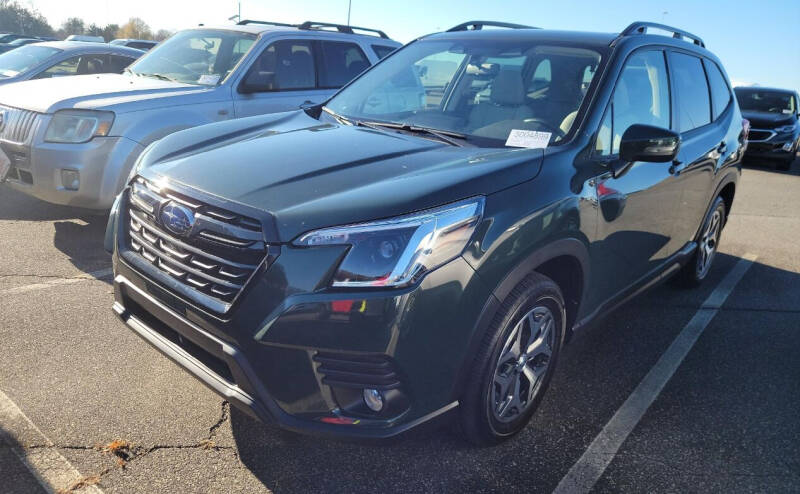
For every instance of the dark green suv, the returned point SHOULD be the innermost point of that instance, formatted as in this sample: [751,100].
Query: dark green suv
[428,239]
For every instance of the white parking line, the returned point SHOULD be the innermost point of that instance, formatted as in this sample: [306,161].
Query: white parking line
[95,275]
[52,470]
[594,461]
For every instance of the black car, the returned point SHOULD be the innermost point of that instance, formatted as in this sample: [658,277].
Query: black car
[426,241]
[774,128]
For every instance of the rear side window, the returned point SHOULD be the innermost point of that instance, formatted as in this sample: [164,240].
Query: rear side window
[284,66]
[720,92]
[382,51]
[640,97]
[80,65]
[341,62]
[694,103]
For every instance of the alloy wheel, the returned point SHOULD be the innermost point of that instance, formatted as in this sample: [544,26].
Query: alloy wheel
[708,243]
[522,364]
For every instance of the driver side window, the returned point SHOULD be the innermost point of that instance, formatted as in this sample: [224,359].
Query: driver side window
[641,96]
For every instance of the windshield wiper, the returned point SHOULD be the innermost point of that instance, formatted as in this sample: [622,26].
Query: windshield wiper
[156,76]
[446,136]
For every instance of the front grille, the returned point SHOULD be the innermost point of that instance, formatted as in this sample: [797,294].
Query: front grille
[357,371]
[213,260]
[760,135]
[16,124]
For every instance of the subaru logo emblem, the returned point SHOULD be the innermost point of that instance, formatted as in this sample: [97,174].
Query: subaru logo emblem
[176,218]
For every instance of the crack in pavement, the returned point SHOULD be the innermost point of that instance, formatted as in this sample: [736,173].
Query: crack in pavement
[127,453]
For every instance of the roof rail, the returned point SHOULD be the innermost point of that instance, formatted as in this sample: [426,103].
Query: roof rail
[641,28]
[311,25]
[267,23]
[478,25]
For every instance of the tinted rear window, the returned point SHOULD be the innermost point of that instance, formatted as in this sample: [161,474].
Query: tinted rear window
[720,92]
[341,62]
[694,103]
[381,51]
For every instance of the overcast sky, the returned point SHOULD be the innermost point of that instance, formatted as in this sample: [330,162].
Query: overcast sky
[758,41]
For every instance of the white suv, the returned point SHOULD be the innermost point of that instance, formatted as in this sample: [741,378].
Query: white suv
[74,140]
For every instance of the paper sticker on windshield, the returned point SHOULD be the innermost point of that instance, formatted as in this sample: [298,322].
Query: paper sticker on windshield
[528,139]
[209,79]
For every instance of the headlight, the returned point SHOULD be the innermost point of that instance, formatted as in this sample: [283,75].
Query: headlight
[785,128]
[398,251]
[75,126]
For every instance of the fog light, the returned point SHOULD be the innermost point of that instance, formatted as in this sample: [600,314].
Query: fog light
[71,179]
[787,147]
[373,399]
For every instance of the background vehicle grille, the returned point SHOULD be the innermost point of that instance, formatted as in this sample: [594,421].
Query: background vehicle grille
[216,257]
[759,135]
[17,124]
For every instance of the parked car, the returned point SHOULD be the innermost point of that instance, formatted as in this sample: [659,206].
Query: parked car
[139,44]
[85,38]
[9,37]
[61,58]
[92,129]
[774,116]
[358,268]
[17,43]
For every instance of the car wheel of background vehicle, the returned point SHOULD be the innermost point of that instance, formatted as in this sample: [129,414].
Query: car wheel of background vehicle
[514,363]
[695,271]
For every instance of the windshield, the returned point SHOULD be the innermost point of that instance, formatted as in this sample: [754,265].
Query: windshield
[26,57]
[766,101]
[198,56]
[474,88]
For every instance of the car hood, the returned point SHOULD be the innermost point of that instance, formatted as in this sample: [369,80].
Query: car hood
[308,174]
[100,91]
[767,120]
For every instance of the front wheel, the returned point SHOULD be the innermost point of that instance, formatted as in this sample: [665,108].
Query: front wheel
[696,271]
[515,362]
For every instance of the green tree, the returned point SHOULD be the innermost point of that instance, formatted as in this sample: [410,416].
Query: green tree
[15,18]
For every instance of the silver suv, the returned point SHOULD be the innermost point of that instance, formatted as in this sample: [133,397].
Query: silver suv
[73,141]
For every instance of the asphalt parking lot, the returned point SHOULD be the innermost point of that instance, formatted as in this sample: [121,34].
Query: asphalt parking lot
[73,380]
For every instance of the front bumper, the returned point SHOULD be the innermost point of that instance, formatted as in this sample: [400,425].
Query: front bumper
[773,148]
[102,164]
[265,355]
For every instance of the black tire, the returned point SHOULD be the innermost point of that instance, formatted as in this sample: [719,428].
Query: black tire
[696,270]
[535,296]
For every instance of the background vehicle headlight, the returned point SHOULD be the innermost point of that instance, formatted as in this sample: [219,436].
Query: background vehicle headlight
[785,128]
[398,251]
[77,126]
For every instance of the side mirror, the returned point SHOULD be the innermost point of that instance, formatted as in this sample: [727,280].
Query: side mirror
[256,82]
[649,143]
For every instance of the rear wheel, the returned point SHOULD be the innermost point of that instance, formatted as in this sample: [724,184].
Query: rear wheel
[515,363]
[694,272]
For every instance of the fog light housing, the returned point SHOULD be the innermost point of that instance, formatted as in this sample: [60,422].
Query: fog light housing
[71,179]
[787,147]
[373,399]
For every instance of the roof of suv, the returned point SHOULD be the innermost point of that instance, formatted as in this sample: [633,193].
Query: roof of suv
[533,34]
[256,27]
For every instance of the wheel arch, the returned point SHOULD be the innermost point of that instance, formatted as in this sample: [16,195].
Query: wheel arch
[565,260]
